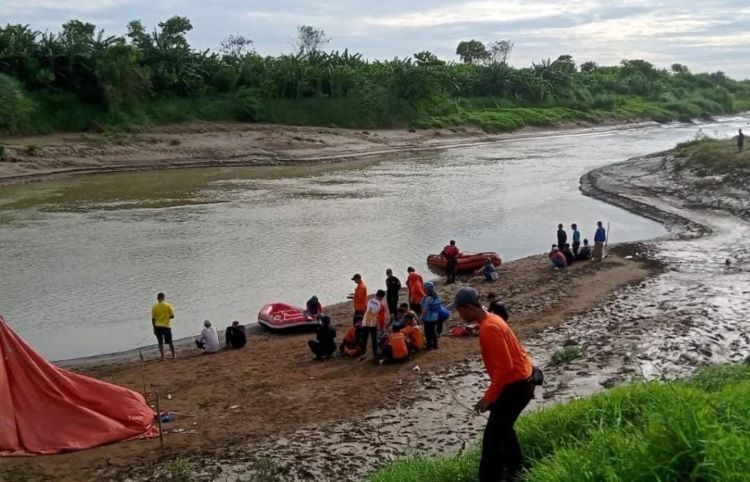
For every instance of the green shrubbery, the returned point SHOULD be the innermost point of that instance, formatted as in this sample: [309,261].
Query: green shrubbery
[716,156]
[80,79]
[697,429]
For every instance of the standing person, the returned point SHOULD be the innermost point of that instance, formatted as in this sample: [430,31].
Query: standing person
[562,236]
[415,285]
[430,312]
[373,322]
[599,238]
[576,239]
[740,141]
[451,253]
[162,314]
[359,297]
[208,341]
[234,336]
[511,388]
[324,344]
[392,288]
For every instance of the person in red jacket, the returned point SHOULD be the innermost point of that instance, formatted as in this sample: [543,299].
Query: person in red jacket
[511,388]
[450,253]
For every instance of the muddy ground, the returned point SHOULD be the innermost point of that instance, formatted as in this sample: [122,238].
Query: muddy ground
[242,404]
[204,144]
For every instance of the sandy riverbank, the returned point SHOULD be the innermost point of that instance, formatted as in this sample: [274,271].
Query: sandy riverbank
[278,389]
[231,144]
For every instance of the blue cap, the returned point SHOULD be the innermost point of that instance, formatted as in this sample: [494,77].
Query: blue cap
[464,297]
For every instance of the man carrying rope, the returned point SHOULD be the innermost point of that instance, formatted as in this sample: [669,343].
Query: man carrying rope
[511,388]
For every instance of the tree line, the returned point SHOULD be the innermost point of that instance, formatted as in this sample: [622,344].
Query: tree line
[116,78]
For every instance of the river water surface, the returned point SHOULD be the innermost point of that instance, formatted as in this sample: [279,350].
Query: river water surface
[82,259]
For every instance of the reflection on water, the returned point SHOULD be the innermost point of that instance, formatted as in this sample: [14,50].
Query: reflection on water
[83,258]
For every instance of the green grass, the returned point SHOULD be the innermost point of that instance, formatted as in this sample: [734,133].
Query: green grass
[712,154]
[697,429]
[566,355]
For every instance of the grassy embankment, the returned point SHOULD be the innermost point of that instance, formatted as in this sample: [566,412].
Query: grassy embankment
[713,156]
[695,429]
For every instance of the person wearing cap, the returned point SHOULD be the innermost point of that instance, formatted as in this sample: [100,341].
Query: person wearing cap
[359,297]
[511,387]
[450,253]
[430,312]
[415,285]
[208,341]
[374,322]
[557,258]
[324,344]
[392,288]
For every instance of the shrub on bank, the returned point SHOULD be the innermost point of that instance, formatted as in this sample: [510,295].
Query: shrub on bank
[696,429]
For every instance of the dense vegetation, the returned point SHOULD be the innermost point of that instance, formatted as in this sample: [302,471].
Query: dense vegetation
[713,156]
[698,429]
[81,79]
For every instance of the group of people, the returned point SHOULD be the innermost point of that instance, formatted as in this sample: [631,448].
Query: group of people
[393,330]
[563,254]
[162,314]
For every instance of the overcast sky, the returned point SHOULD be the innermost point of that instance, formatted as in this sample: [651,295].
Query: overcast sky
[706,35]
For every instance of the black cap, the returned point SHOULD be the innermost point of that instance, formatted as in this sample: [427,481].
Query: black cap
[356,277]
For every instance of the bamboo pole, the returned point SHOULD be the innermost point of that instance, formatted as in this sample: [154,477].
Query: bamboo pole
[158,421]
[143,376]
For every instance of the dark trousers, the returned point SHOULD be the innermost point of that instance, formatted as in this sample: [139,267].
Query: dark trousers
[500,447]
[392,304]
[430,333]
[369,332]
[320,350]
[450,267]
[357,314]
[576,247]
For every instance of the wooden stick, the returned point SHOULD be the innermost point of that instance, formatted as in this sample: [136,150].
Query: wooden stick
[606,238]
[158,421]
[143,376]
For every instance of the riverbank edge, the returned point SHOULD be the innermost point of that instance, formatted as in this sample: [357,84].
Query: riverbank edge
[50,169]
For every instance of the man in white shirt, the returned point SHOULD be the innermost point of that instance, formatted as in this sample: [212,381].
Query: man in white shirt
[209,339]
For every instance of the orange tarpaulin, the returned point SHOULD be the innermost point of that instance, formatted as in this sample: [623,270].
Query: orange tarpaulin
[45,409]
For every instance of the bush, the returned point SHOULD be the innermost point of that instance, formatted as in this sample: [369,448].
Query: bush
[249,105]
[697,429]
[15,107]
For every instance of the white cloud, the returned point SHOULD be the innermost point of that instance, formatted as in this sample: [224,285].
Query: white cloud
[82,6]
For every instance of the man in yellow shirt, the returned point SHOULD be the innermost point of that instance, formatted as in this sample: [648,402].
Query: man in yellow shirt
[162,315]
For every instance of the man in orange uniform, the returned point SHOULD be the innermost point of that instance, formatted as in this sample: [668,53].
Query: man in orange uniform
[415,284]
[414,335]
[450,253]
[359,297]
[395,348]
[511,388]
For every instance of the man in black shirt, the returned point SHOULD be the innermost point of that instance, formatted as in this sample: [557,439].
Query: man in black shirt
[496,307]
[235,335]
[392,287]
[562,236]
[324,345]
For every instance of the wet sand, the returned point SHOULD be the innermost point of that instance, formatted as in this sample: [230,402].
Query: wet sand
[203,144]
[237,403]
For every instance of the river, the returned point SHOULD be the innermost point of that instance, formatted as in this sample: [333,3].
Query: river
[83,258]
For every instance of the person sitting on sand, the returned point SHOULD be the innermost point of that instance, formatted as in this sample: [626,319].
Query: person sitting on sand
[489,271]
[324,345]
[585,253]
[496,307]
[395,348]
[209,339]
[569,256]
[235,335]
[399,321]
[314,309]
[557,258]
[413,333]
[350,345]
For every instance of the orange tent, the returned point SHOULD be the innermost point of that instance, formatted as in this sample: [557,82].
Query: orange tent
[45,409]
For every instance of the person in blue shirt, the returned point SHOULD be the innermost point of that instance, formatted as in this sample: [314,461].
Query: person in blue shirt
[599,238]
[576,239]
